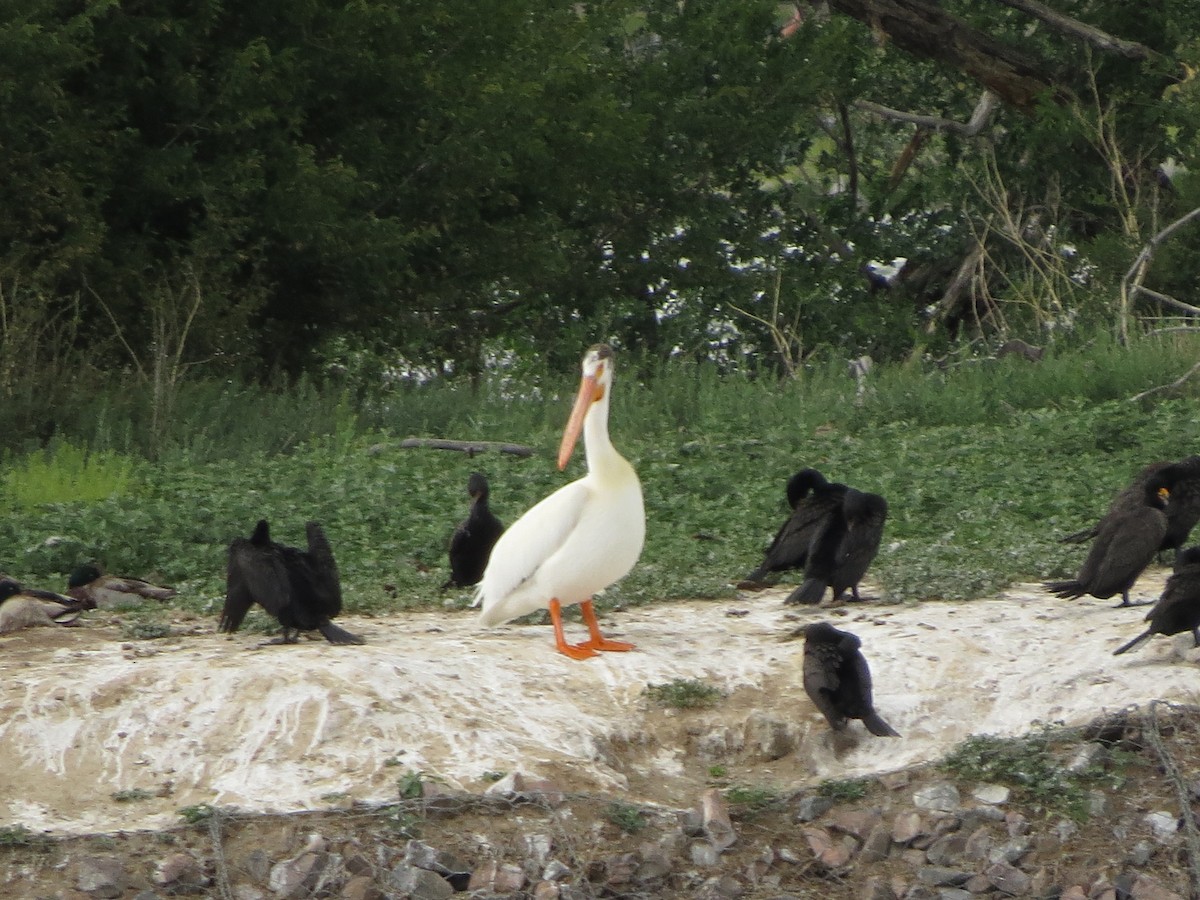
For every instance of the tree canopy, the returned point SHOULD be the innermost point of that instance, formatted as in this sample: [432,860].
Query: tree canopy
[256,188]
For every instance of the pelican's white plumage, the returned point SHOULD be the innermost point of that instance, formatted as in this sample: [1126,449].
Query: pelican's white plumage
[580,539]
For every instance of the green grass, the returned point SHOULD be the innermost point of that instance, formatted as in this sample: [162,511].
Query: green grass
[844,790]
[684,693]
[984,464]
[629,818]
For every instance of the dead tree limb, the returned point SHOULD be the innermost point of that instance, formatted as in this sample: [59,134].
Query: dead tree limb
[468,447]
[1178,382]
[1131,284]
[979,118]
[1089,34]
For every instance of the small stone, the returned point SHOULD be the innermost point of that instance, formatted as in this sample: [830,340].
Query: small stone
[812,807]
[893,781]
[979,843]
[361,887]
[939,876]
[857,822]
[946,850]
[830,854]
[295,877]
[1146,888]
[771,737]
[993,794]
[257,865]
[720,887]
[1141,854]
[537,847]
[704,854]
[1010,851]
[654,866]
[619,869]
[1064,830]
[1088,756]
[1008,878]
[941,796]
[715,815]
[555,871]
[101,876]
[877,844]
[180,872]
[876,888]
[954,894]
[1162,824]
[1097,804]
[691,822]
[978,884]
[509,879]
[483,876]
[546,890]
[1016,823]
[1074,892]
[907,827]
[419,884]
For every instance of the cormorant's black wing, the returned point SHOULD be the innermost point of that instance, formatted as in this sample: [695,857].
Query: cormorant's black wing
[254,573]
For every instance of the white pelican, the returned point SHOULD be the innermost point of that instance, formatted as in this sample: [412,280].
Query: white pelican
[580,539]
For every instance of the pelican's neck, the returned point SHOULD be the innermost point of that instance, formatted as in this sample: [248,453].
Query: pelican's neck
[598,447]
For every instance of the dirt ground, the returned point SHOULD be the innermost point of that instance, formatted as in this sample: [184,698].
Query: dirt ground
[105,740]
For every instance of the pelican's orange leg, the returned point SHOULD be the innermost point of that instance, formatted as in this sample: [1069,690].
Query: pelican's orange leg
[597,640]
[575,651]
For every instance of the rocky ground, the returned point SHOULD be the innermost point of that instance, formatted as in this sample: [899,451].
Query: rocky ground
[1104,812]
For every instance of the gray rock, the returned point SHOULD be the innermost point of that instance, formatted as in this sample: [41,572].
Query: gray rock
[876,888]
[1010,851]
[720,887]
[257,865]
[101,876]
[1141,854]
[180,873]
[941,796]
[297,876]
[993,794]
[857,822]
[654,865]
[1146,888]
[942,876]
[361,887]
[619,870]
[418,883]
[443,863]
[715,815]
[1162,824]
[1088,756]
[907,827]
[555,871]
[946,850]
[1097,804]
[812,807]
[954,894]
[877,844]
[1008,879]
[1065,829]
[979,844]
[772,738]
[704,854]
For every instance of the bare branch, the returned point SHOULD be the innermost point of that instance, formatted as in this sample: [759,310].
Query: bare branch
[1131,284]
[1089,34]
[1167,301]
[979,118]
[1178,382]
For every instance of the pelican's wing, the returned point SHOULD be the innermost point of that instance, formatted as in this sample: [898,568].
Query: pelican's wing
[530,541]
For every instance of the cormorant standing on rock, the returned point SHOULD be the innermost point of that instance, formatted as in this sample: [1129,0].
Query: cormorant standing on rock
[837,679]
[473,539]
[300,588]
[1125,544]
[1178,609]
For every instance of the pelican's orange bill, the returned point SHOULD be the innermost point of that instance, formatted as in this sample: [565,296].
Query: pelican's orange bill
[589,392]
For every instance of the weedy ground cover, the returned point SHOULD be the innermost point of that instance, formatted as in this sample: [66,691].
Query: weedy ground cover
[984,466]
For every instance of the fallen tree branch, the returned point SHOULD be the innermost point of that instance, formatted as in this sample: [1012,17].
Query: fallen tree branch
[1131,283]
[1178,382]
[1167,301]
[468,447]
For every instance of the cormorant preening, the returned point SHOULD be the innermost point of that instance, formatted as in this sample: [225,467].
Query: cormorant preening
[812,499]
[22,607]
[844,548]
[1183,512]
[473,539]
[299,588]
[1178,609]
[105,591]
[837,679]
[1125,543]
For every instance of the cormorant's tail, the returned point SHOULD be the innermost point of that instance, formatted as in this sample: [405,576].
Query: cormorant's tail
[1131,644]
[1068,590]
[811,592]
[336,635]
[1078,537]
[878,727]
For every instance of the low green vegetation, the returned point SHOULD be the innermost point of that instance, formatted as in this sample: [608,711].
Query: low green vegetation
[1037,774]
[200,812]
[984,466]
[132,795]
[684,693]
[629,818]
[844,790]
[751,798]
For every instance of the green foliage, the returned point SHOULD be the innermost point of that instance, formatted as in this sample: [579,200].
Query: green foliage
[629,818]
[19,836]
[1030,766]
[132,795]
[65,473]
[844,789]
[751,798]
[200,812]
[684,693]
